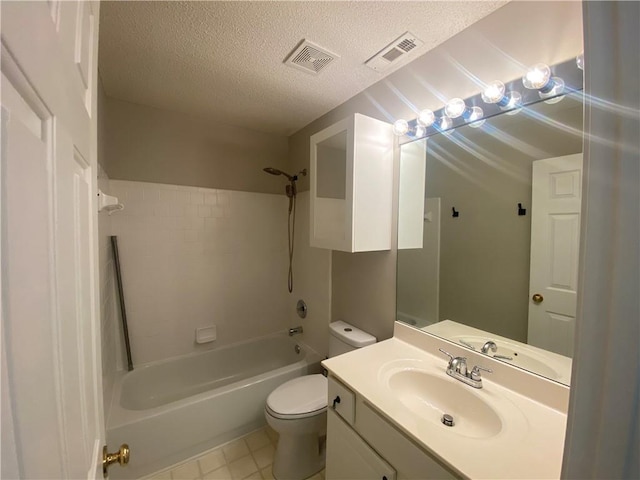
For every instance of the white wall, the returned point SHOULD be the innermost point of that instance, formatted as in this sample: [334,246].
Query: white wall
[151,145]
[195,257]
[603,423]
[311,282]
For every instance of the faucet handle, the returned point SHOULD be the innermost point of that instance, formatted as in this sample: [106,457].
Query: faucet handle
[451,357]
[475,372]
[457,364]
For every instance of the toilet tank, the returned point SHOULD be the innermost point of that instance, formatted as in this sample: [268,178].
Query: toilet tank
[344,338]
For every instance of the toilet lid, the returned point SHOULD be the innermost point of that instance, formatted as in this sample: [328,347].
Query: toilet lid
[299,396]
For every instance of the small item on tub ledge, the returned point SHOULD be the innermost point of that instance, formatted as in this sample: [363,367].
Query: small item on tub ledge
[108,203]
[206,334]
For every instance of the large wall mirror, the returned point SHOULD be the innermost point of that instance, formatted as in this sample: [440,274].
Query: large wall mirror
[494,265]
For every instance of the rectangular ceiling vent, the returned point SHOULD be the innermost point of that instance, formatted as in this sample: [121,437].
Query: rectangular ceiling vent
[400,48]
[310,58]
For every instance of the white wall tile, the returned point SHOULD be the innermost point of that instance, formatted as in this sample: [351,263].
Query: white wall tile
[195,257]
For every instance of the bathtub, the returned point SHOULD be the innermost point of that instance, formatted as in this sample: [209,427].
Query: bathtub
[171,410]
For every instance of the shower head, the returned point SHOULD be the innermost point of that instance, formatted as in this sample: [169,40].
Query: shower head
[275,171]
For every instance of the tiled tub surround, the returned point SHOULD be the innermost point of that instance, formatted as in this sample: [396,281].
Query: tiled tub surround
[109,316]
[171,410]
[193,257]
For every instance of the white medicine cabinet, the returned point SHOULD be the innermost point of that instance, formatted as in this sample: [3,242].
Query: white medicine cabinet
[352,185]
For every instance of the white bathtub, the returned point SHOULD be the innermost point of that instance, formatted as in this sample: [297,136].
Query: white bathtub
[171,410]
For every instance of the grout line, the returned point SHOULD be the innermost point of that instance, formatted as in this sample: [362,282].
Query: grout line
[197,457]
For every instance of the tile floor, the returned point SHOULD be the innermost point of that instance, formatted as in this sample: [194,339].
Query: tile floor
[249,457]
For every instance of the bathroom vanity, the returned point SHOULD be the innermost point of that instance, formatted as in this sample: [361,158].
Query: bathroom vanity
[386,404]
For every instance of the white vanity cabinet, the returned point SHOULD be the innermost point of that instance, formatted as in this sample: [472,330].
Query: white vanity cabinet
[349,457]
[361,444]
[352,185]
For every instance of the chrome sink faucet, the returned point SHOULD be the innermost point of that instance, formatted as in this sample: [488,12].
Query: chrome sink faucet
[295,330]
[457,368]
[489,345]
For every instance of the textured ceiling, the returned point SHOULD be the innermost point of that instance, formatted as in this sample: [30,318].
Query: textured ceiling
[224,60]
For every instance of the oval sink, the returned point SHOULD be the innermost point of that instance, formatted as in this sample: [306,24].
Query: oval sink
[431,397]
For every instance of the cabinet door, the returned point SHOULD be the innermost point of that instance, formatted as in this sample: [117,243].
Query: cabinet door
[351,177]
[411,462]
[349,457]
[331,178]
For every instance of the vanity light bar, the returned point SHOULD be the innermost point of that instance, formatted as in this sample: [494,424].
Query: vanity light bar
[543,83]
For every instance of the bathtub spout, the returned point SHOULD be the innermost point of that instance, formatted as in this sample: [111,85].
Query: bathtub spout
[295,330]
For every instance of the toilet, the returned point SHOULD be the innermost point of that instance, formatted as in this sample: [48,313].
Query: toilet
[297,410]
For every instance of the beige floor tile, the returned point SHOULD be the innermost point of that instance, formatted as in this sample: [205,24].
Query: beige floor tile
[242,467]
[267,473]
[264,456]
[235,450]
[271,433]
[212,461]
[257,439]
[187,471]
[322,473]
[219,474]
[254,476]
[315,477]
[166,475]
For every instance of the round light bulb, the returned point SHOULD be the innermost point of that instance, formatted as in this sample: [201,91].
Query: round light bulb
[580,61]
[537,76]
[400,127]
[419,131]
[514,105]
[475,117]
[444,123]
[555,94]
[455,107]
[426,118]
[494,92]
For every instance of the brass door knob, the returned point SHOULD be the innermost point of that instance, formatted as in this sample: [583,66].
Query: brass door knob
[537,298]
[121,457]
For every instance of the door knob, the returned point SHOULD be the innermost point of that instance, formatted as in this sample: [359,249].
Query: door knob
[121,457]
[537,298]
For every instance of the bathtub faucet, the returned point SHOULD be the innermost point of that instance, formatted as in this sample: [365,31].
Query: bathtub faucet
[295,330]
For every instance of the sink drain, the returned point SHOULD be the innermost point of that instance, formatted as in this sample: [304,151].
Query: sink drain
[448,420]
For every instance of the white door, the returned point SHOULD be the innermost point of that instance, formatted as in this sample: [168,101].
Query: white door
[555,239]
[52,414]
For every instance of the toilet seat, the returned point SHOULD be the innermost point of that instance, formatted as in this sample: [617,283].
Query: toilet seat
[301,397]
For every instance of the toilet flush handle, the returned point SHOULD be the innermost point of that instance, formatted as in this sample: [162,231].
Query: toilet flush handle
[336,401]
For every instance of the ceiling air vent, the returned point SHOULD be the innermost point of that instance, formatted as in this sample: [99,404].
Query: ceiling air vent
[394,52]
[310,58]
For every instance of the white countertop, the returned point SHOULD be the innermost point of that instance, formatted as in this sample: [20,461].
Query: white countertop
[529,444]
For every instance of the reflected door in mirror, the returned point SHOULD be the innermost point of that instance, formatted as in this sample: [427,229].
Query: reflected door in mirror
[555,238]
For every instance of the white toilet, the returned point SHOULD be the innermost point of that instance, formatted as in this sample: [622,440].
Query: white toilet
[297,410]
